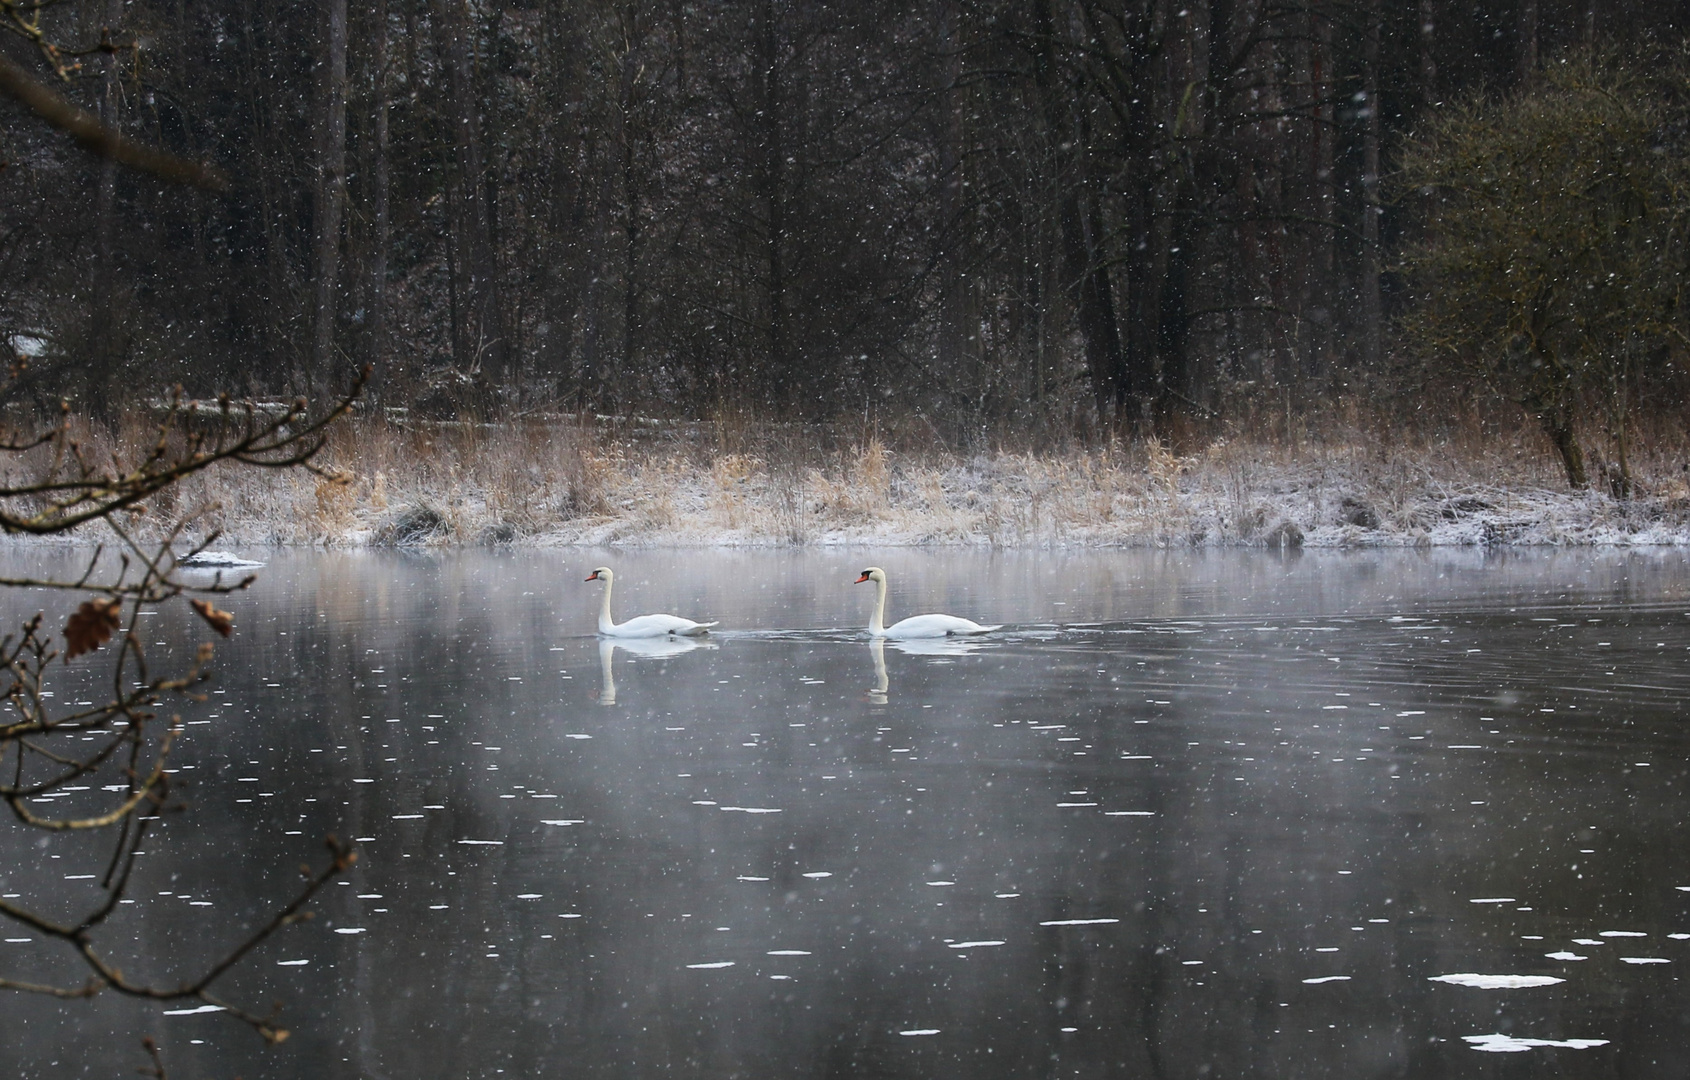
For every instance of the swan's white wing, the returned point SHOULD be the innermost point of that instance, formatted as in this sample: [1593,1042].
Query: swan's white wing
[933,626]
[657,626]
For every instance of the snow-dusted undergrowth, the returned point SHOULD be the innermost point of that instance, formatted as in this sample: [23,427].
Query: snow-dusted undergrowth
[562,484]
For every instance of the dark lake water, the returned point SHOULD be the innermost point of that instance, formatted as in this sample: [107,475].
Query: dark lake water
[1188,815]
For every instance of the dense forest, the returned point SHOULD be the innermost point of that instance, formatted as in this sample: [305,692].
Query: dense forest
[993,213]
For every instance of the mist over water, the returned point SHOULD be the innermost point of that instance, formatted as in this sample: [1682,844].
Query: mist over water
[1188,814]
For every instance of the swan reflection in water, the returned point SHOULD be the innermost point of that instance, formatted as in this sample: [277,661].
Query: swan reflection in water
[914,647]
[653,648]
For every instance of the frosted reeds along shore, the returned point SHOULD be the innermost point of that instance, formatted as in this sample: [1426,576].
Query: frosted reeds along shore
[565,482]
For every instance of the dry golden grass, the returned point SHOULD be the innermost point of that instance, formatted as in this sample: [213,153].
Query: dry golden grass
[731,481]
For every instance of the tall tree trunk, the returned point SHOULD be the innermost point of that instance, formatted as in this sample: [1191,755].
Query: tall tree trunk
[771,181]
[1372,306]
[379,185]
[1428,55]
[105,348]
[479,342]
[1084,277]
[330,197]
[628,105]
[1527,28]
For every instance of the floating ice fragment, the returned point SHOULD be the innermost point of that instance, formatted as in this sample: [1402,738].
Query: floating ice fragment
[1494,900]
[292,963]
[787,952]
[1622,933]
[406,817]
[941,883]
[219,559]
[1564,955]
[1679,937]
[1327,979]
[1129,813]
[1644,960]
[196,1010]
[564,821]
[573,736]
[712,966]
[528,896]
[752,809]
[1006,895]
[487,843]
[746,877]
[819,874]
[920,1031]
[350,930]
[1078,922]
[1062,805]
[1497,982]
[975,944]
[1508,1044]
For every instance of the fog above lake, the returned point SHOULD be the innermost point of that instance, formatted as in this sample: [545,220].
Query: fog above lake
[1224,814]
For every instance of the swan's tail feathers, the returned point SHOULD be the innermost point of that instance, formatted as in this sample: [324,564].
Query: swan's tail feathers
[698,628]
[977,630]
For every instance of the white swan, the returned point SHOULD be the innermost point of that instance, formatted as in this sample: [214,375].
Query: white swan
[643,625]
[916,626]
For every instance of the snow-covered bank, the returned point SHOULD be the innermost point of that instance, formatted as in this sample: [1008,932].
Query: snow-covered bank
[559,486]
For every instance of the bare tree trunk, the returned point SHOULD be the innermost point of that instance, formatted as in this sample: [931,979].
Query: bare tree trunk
[379,184]
[330,202]
[1428,57]
[479,342]
[1527,29]
[1084,277]
[105,348]
[628,104]
[1372,307]
[771,180]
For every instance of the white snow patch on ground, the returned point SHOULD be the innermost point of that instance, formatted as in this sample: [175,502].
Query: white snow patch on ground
[1497,982]
[1509,1044]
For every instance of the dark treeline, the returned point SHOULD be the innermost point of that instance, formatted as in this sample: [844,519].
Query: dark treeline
[983,210]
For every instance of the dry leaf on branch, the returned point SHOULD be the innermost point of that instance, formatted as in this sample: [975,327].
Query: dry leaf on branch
[221,621]
[91,625]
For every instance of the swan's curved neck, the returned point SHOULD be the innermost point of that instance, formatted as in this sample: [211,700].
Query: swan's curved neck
[876,623]
[606,625]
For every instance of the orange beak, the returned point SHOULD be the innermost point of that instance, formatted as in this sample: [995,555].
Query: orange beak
[594,576]
[860,580]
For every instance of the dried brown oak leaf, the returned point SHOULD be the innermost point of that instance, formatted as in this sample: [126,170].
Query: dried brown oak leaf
[91,625]
[221,621]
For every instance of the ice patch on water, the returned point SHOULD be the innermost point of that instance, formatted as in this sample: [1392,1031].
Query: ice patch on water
[746,877]
[407,817]
[751,809]
[1497,982]
[1679,937]
[711,966]
[818,874]
[975,944]
[1509,1044]
[528,896]
[1078,922]
[573,736]
[1327,979]
[920,1031]
[941,883]
[1644,960]
[1494,900]
[1063,805]
[1564,955]
[351,930]
[564,821]
[486,843]
[195,1011]
[292,963]
[787,952]
[1622,933]
[1129,813]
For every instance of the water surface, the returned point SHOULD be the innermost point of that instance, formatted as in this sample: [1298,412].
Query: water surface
[1222,814]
